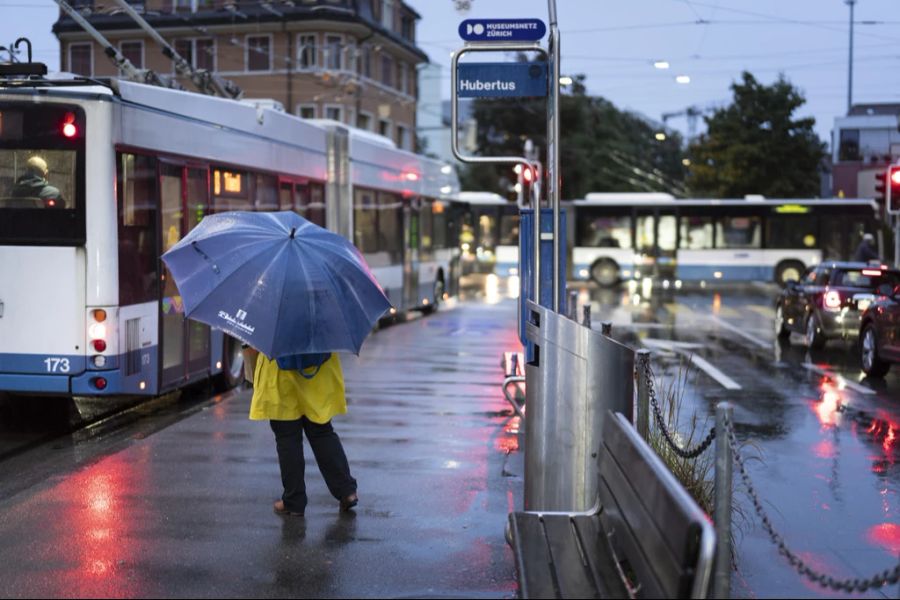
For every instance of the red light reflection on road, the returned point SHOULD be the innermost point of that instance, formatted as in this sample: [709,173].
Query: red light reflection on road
[824,449]
[885,535]
[828,408]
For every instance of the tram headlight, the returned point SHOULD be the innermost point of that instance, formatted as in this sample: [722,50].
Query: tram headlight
[99,361]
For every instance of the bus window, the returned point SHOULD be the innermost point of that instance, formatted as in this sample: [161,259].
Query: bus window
[644,234]
[509,229]
[426,228]
[390,226]
[439,212]
[602,232]
[286,195]
[696,233]
[138,276]
[738,232]
[266,192]
[794,231]
[486,229]
[316,210]
[364,221]
[666,234]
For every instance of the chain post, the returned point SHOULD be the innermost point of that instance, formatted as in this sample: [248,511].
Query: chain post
[722,511]
[642,406]
[587,316]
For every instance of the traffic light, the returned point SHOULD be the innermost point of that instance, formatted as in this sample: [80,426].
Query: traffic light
[893,190]
[880,193]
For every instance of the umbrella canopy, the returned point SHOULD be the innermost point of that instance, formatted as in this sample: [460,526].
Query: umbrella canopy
[277,282]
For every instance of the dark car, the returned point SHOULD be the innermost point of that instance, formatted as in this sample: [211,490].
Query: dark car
[879,333]
[829,299]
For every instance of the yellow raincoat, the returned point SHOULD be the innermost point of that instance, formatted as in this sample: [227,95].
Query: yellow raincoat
[285,395]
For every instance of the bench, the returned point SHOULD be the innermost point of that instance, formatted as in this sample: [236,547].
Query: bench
[647,538]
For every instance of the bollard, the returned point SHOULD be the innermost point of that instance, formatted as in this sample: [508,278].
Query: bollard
[642,406]
[606,328]
[587,316]
[572,307]
[722,573]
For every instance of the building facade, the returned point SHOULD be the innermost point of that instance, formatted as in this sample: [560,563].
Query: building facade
[864,143]
[353,61]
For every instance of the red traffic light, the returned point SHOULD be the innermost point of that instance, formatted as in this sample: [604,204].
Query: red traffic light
[892,191]
[895,176]
[528,174]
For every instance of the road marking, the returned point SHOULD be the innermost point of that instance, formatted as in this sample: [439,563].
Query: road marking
[764,311]
[683,348]
[747,336]
[841,381]
[727,382]
[727,311]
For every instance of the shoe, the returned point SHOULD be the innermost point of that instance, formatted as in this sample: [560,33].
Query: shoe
[349,501]
[281,510]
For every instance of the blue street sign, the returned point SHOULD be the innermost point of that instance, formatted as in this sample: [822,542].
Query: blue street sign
[502,30]
[501,80]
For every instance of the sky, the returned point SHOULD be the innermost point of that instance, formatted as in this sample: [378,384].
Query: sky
[615,43]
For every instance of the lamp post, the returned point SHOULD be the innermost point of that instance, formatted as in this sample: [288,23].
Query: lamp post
[850,3]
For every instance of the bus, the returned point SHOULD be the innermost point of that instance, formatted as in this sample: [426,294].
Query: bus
[631,236]
[489,239]
[99,179]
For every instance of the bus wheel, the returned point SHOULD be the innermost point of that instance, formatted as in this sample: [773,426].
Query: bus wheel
[789,270]
[605,272]
[232,365]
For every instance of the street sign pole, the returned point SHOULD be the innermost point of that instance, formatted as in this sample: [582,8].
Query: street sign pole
[522,160]
[553,148]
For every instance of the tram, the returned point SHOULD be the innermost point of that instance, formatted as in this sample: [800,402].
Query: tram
[99,179]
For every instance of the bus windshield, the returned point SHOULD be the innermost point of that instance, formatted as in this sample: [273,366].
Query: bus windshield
[41,174]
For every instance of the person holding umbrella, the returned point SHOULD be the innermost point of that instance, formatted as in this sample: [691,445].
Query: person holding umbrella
[295,293]
[300,394]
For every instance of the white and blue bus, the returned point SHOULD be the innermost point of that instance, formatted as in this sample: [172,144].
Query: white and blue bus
[631,236]
[98,180]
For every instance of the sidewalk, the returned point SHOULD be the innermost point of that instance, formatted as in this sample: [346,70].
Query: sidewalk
[187,511]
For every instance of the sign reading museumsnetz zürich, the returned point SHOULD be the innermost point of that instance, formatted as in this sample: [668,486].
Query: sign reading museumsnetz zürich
[501,80]
[502,30]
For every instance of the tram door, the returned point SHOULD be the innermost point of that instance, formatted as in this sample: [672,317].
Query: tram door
[411,252]
[184,200]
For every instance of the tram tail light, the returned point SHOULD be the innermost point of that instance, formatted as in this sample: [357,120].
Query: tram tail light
[832,299]
[99,383]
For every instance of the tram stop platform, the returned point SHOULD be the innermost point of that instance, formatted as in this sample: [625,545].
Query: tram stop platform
[186,511]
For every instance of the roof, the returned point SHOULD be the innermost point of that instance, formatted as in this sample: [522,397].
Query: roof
[483,198]
[874,109]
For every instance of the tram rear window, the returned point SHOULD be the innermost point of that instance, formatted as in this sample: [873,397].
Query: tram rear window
[41,174]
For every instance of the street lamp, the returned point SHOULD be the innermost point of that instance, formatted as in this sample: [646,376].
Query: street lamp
[661,64]
[683,79]
[660,136]
[566,80]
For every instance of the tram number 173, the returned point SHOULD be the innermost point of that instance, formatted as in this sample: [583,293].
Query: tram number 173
[57,365]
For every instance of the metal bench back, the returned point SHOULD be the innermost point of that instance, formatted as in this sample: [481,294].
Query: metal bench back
[657,528]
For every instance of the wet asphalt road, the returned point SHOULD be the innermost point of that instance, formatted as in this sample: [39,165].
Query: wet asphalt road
[175,500]
[820,437]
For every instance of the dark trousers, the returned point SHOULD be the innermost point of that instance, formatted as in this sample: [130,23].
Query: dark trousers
[329,452]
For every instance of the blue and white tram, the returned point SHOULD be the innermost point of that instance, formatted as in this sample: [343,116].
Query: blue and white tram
[86,306]
[490,234]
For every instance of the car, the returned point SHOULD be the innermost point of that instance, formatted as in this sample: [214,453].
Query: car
[829,299]
[879,333]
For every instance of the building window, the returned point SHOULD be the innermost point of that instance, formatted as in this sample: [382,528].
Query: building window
[333,52]
[384,127]
[134,52]
[403,77]
[184,6]
[403,138]
[364,121]
[352,56]
[335,113]
[365,62]
[306,51]
[205,54]
[81,59]
[185,49]
[306,111]
[387,71]
[408,28]
[849,145]
[387,15]
[259,53]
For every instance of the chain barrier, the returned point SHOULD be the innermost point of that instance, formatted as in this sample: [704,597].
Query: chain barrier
[660,422]
[886,577]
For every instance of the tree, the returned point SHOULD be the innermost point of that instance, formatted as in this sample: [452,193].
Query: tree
[602,149]
[755,146]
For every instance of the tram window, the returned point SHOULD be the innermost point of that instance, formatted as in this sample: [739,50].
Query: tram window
[696,233]
[738,232]
[316,208]
[265,192]
[390,226]
[426,227]
[596,231]
[791,232]
[509,230]
[439,212]
[138,264]
[365,234]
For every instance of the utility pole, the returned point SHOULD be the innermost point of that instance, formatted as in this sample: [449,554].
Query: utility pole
[850,3]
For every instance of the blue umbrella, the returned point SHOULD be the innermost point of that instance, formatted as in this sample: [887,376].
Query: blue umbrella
[277,282]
